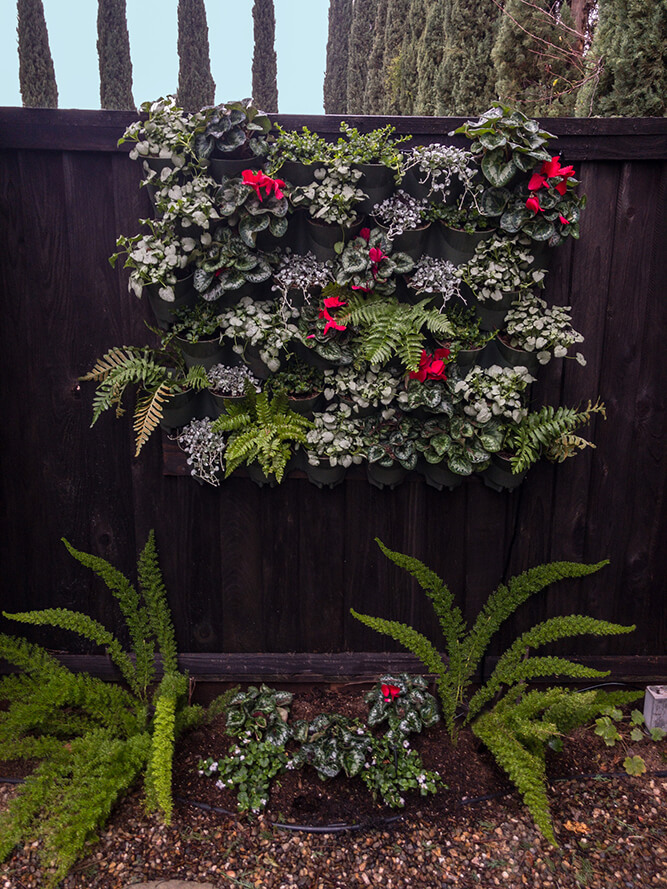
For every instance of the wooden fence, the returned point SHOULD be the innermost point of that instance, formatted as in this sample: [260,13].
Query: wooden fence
[257,576]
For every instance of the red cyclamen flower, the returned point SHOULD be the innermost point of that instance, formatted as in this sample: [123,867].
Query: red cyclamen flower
[533,204]
[389,692]
[259,180]
[365,233]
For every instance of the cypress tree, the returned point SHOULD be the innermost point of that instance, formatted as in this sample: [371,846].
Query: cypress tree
[37,76]
[264,65]
[360,46]
[196,86]
[408,78]
[335,77]
[537,58]
[627,61]
[375,92]
[113,51]
[466,79]
[394,35]
[429,58]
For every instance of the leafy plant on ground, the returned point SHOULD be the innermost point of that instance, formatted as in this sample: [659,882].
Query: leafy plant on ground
[249,767]
[263,712]
[404,703]
[606,727]
[93,738]
[396,769]
[465,647]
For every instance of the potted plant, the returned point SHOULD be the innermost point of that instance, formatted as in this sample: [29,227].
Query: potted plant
[196,332]
[454,446]
[390,330]
[506,142]
[205,450]
[376,155]
[333,445]
[302,383]
[493,392]
[260,332]
[262,430]
[332,201]
[467,340]
[460,228]
[441,173]
[390,448]
[324,340]
[190,206]
[300,278]
[167,393]
[164,141]
[434,276]
[368,264]
[501,270]
[404,222]
[229,269]
[161,261]
[548,432]
[228,382]
[295,154]
[365,389]
[534,332]
[232,137]
[253,205]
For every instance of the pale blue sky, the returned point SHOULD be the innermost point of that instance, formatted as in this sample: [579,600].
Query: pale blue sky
[301,36]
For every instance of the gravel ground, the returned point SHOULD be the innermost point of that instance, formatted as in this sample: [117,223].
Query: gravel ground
[612,832]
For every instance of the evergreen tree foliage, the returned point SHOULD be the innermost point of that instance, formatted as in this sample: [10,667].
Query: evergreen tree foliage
[407,85]
[362,31]
[429,58]
[375,92]
[264,64]
[37,76]
[196,86]
[394,33]
[537,58]
[627,62]
[466,80]
[335,76]
[113,51]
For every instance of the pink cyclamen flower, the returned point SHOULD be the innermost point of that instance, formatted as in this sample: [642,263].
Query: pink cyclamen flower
[365,233]
[533,204]
[389,692]
[258,180]
[564,220]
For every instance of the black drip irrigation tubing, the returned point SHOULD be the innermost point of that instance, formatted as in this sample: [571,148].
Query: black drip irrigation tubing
[381,821]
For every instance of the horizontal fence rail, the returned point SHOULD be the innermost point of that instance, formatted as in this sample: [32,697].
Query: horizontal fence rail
[276,571]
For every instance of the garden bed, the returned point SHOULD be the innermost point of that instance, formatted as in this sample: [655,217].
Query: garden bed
[475,832]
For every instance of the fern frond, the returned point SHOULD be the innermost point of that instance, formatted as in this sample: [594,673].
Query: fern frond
[155,596]
[159,769]
[115,358]
[84,626]
[148,414]
[505,600]
[134,613]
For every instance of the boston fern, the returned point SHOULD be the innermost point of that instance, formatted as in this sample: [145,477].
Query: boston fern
[93,738]
[263,429]
[466,648]
[387,327]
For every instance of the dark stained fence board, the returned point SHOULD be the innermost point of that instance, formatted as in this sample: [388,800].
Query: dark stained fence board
[253,570]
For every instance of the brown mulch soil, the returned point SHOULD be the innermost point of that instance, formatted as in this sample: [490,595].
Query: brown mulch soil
[612,829]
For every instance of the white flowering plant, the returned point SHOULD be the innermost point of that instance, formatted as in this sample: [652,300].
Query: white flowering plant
[534,326]
[167,133]
[248,770]
[261,324]
[191,203]
[394,770]
[334,195]
[302,273]
[400,213]
[230,381]
[501,265]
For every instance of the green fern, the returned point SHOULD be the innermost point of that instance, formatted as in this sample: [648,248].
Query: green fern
[263,429]
[388,327]
[519,727]
[93,738]
[549,433]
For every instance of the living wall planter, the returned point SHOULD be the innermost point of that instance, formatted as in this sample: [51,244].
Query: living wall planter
[499,476]
[324,475]
[185,296]
[206,353]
